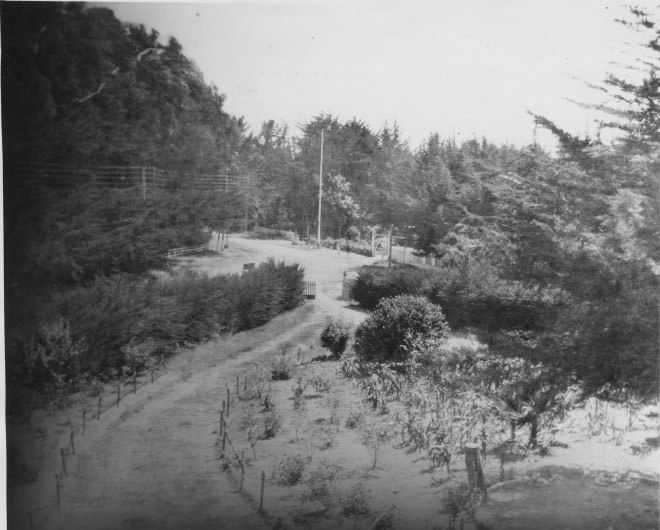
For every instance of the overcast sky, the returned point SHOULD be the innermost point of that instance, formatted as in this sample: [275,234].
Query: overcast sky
[465,68]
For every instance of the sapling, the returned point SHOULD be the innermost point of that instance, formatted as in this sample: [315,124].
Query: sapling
[332,404]
[251,426]
[373,437]
[298,391]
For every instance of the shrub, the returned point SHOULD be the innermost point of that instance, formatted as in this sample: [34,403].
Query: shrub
[272,422]
[475,297]
[281,368]
[290,470]
[319,481]
[353,233]
[109,318]
[355,502]
[384,334]
[320,383]
[52,357]
[354,420]
[137,355]
[375,283]
[356,248]
[335,336]
[344,245]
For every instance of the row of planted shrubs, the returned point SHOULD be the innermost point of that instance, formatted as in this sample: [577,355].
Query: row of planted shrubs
[345,245]
[87,331]
[477,298]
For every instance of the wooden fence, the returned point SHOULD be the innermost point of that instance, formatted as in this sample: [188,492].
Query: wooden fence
[309,290]
[144,178]
[184,251]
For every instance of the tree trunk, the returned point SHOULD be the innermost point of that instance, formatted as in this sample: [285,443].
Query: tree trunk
[533,431]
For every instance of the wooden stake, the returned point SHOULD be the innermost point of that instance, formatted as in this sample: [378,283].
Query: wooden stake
[238,389]
[245,384]
[227,401]
[261,494]
[73,445]
[84,414]
[118,393]
[98,409]
[152,376]
[474,471]
[134,382]
[57,490]
[240,486]
[222,419]
[224,442]
[63,456]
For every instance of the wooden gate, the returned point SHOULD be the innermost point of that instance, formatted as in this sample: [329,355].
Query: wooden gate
[309,290]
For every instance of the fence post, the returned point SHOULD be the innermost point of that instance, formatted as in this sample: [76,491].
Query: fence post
[238,388]
[261,494]
[144,184]
[63,456]
[224,442]
[57,490]
[474,471]
[227,401]
[84,415]
[240,486]
[98,409]
[118,393]
[222,419]
[73,446]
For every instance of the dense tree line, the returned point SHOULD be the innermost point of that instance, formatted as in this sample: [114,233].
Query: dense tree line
[82,88]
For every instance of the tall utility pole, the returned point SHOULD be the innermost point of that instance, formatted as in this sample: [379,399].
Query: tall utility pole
[318,235]
[247,196]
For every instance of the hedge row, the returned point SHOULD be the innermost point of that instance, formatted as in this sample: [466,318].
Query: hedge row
[474,299]
[346,245]
[85,331]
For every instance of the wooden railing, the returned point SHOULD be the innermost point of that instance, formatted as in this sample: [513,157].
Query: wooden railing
[184,251]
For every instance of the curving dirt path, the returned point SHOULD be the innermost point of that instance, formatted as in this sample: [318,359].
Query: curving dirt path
[152,462]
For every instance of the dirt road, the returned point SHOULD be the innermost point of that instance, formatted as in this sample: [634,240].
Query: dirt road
[152,461]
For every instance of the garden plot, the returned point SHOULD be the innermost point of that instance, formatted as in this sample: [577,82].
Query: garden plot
[330,459]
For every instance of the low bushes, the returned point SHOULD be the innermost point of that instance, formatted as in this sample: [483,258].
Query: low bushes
[375,283]
[93,330]
[394,322]
[335,336]
[346,245]
[473,298]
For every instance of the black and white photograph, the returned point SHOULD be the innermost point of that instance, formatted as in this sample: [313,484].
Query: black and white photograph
[331,265]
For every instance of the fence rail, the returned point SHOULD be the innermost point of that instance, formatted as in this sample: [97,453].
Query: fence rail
[143,177]
[184,251]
